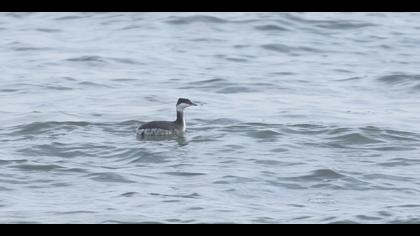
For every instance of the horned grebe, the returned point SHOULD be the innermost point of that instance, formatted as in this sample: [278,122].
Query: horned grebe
[167,128]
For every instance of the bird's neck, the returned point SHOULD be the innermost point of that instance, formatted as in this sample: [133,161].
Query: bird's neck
[180,118]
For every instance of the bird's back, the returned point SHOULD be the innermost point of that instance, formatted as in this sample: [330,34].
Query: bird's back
[158,128]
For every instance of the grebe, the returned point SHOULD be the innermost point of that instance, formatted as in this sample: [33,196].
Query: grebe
[167,128]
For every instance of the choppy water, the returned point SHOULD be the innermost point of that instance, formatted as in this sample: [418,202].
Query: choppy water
[304,117]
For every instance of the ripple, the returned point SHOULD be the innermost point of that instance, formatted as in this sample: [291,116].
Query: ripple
[182,20]
[38,167]
[192,195]
[48,30]
[126,61]
[93,84]
[387,177]
[269,162]
[130,222]
[330,24]
[405,206]
[399,78]
[207,40]
[209,81]
[264,134]
[73,212]
[74,17]
[128,123]
[270,27]
[401,81]
[129,194]
[277,150]
[236,59]
[54,151]
[278,47]
[9,90]
[4,162]
[343,25]
[146,157]
[63,127]
[215,84]
[18,14]
[186,174]
[368,218]
[344,222]
[57,87]
[369,137]
[28,49]
[308,129]
[406,221]
[354,138]
[289,49]
[41,127]
[236,89]
[89,59]
[108,177]
[130,80]
[320,174]
[394,162]
[349,79]
[223,121]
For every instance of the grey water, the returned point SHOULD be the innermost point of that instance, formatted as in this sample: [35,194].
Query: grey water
[303,117]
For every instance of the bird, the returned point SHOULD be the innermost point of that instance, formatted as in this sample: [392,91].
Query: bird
[167,128]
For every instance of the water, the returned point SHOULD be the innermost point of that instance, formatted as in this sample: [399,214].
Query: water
[303,117]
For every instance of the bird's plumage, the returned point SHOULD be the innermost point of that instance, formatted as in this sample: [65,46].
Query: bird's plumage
[166,128]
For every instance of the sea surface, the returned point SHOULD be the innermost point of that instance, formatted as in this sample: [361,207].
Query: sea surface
[302,117]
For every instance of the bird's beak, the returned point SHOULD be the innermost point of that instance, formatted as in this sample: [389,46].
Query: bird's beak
[193,104]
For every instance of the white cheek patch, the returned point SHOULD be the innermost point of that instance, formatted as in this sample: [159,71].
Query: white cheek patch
[181,106]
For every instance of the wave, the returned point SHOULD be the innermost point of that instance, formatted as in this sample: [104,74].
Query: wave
[182,20]
[72,17]
[323,136]
[109,177]
[320,174]
[36,128]
[48,30]
[38,167]
[101,61]
[368,137]
[330,24]
[409,82]
[353,139]
[271,28]
[88,59]
[289,49]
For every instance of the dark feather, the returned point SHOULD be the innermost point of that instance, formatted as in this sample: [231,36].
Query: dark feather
[168,125]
